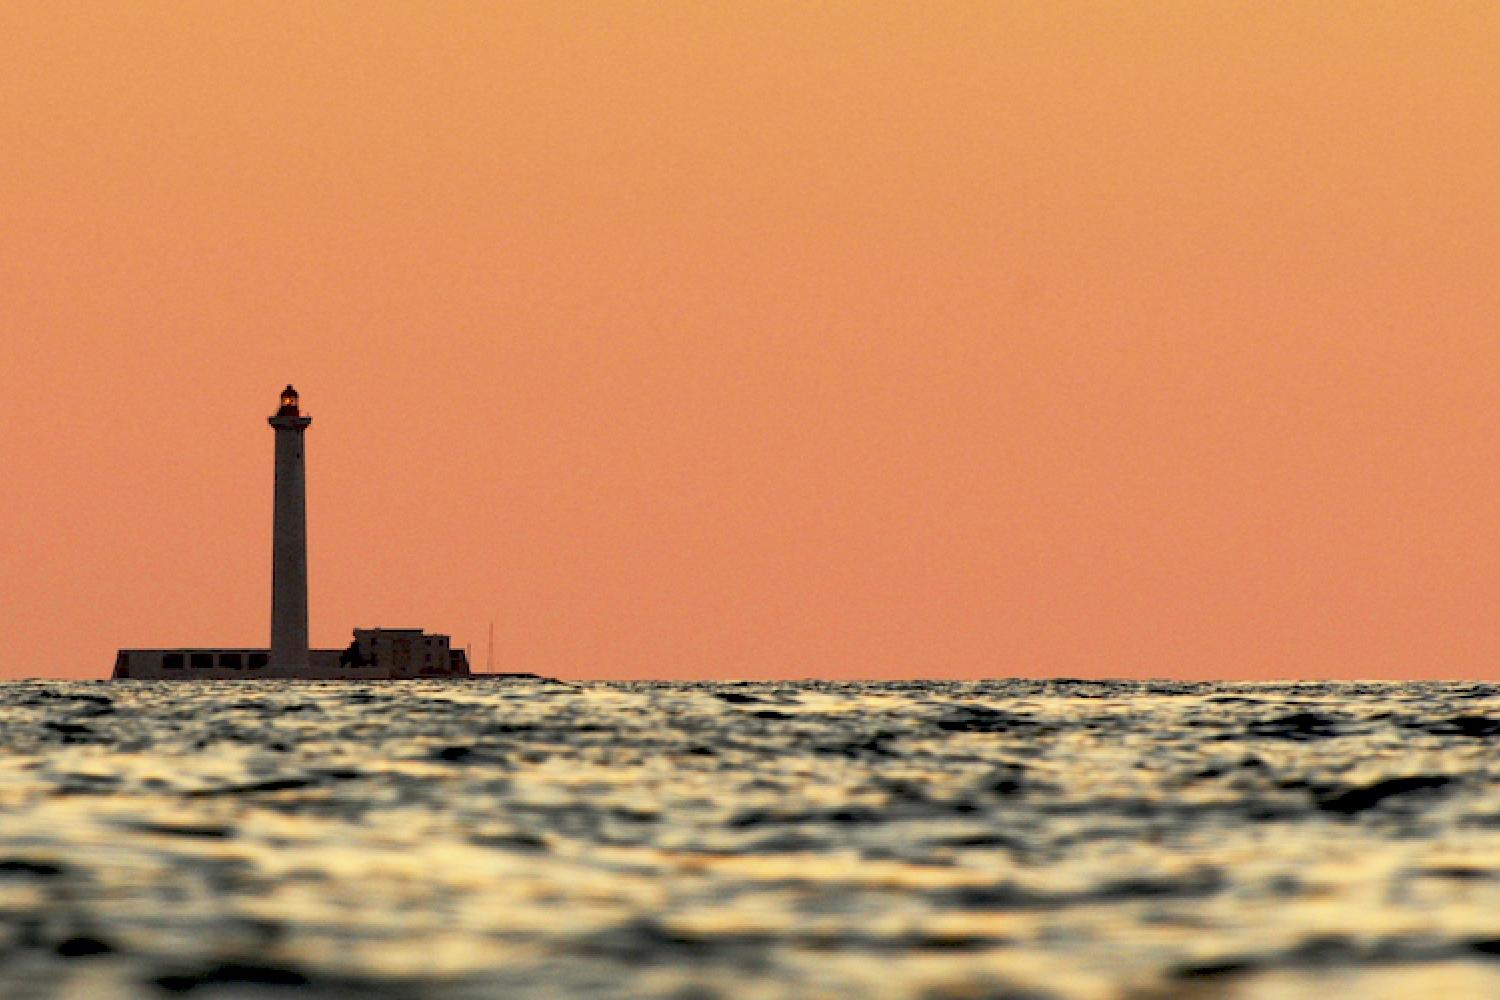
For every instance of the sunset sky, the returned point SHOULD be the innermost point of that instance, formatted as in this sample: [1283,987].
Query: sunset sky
[761,339]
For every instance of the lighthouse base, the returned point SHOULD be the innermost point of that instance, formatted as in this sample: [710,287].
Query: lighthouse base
[374,655]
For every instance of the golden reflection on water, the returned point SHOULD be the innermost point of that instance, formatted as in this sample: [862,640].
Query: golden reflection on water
[925,841]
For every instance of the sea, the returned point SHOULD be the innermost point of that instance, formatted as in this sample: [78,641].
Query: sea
[933,841]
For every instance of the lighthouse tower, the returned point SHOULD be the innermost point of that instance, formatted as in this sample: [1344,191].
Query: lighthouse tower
[289,653]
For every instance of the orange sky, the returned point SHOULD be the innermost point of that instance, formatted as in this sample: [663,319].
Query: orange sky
[761,340]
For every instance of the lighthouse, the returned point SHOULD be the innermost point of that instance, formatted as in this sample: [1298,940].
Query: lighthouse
[376,654]
[289,649]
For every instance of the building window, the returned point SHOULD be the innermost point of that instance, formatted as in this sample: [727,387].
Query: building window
[229,660]
[202,661]
[172,661]
[259,660]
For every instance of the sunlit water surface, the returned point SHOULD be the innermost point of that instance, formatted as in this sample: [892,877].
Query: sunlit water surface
[1006,839]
